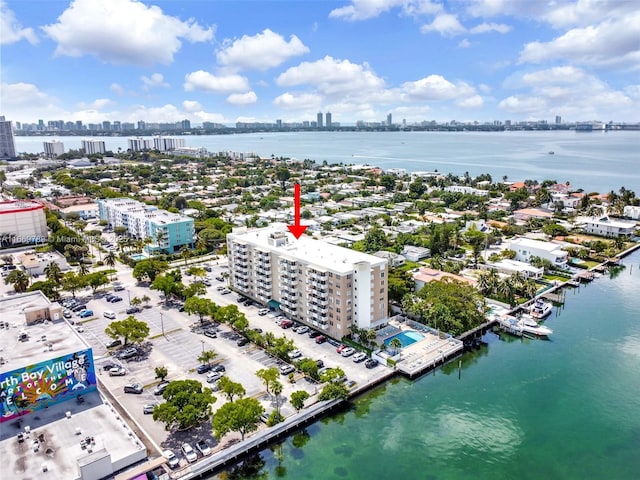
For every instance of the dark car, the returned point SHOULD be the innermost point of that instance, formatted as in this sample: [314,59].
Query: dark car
[321,339]
[371,363]
[204,368]
[109,297]
[78,308]
[115,299]
[242,342]
[109,365]
[218,368]
[320,363]
[314,334]
[131,310]
[210,333]
[115,343]
[160,388]
[118,288]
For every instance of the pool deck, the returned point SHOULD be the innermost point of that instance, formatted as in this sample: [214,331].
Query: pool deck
[426,354]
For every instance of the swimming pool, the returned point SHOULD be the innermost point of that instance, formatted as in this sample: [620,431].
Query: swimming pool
[407,338]
[138,256]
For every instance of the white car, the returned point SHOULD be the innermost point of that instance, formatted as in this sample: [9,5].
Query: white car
[189,453]
[172,458]
[295,354]
[263,311]
[359,357]
[214,376]
[203,447]
[347,352]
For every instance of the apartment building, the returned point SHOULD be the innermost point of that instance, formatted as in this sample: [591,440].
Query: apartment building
[312,282]
[93,146]
[22,221]
[167,231]
[7,142]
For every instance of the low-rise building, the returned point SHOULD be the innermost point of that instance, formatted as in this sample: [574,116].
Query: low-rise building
[527,248]
[509,267]
[606,227]
[414,253]
[632,212]
[426,275]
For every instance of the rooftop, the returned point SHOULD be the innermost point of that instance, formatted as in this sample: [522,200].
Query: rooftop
[9,206]
[55,438]
[36,348]
[530,243]
[331,257]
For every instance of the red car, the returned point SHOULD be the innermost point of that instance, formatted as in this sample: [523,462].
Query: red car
[321,339]
[340,348]
[286,324]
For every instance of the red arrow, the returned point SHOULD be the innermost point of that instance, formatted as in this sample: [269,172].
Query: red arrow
[296,228]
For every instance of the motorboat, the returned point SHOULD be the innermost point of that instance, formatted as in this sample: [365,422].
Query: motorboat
[531,327]
[540,309]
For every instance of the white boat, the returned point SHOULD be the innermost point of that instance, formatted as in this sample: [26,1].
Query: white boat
[531,327]
[540,309]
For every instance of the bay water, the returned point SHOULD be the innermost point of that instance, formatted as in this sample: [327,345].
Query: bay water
[567,408]
[595,161]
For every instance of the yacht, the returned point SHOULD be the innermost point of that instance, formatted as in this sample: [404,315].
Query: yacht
[540,309]
[531,327]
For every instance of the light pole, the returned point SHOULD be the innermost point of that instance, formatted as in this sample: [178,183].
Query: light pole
[162,323]
[202,341]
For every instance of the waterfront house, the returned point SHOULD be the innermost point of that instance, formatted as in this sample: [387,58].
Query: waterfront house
[607,227]
[426,275]
[526,248]
[509,267]
[525,214]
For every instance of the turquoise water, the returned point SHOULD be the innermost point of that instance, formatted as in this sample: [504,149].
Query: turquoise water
[138,256]
[407,338]
[594,161]
[568,408]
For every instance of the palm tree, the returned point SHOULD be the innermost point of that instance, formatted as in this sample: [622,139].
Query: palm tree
[483,283]
[18,279]
[186,254]
[395,344]
[207,356]
[146,299]
[110,259]
[83,268]
[160,238]
[53,272]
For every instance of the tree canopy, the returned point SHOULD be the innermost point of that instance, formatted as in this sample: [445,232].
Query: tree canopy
[131,329]
[186,405]
[241,416]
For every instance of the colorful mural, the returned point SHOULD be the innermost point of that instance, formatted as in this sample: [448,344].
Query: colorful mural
[30,388]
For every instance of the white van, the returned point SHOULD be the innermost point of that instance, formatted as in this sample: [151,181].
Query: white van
[110,315]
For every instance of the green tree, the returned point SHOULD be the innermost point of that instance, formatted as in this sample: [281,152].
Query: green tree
[268,376]
[230,388]
[48,287]
[375,239]
[96,279]
[395,344]
[18,279]
[283,175]
[241,416]
[207,356]
[71,282]
[200,306]
[333,391]
[130,329]
[149,268]
[309,367]
[332,374]
[161,372]
[476,239]
[53,272]
[186,405]
[298,398]
[110,259]
[168,285]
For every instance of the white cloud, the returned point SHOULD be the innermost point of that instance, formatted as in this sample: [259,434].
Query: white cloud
[464,43]
[97,104]
[191,106]
[609,44]
[122,32]
[26,102]
[474,101]
[117,89]
[490,27]
[11,31]
[298,101]
[332,76]
[154,81]
[259,52]
[242,98]
[365,9]
[201,80]
[445,24]
[436,87]
[563,89]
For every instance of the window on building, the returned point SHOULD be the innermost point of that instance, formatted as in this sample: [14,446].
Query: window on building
[349,277]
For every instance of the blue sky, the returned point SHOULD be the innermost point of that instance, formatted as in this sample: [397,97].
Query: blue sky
[228,61]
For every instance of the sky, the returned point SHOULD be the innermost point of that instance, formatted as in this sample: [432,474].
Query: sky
[254,60]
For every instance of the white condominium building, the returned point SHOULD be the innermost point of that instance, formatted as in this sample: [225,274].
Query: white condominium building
[53,148]
[325,286]
[165,144]
[93,146]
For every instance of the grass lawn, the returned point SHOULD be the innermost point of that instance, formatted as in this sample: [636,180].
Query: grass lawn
[551,278]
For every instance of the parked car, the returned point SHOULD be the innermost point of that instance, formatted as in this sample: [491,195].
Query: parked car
[115,343]
[127,353]
[67,314]
[109,365]
[220,287]
[110,315]
[116,299]
[204,368]
[109,296]
[286,324]
[214,376]
[347,352]
[118,288]
[148,408]
[131,310]
[303,329]
[78,308]
[225,291]
[189,453]
[286,369]
[242,342]
[320,363]
[295,354]
[218,368]
[371,363]
[117,372]
[219,278]
[341,348]
[203,447]
[160,388]
[350,384]
[172,459]
[314,334]
[257,330]
[86,314]
[359,357]
[210,333]
[133,388]
[321,339]
[263,311]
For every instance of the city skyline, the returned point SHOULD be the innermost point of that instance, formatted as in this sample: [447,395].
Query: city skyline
[360,60]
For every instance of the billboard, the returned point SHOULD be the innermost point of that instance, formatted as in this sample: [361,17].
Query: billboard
[36,386]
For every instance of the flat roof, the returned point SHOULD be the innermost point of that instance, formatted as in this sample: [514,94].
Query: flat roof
[15,206]
[58,333]
[58,439]
[531,243]
[330,257]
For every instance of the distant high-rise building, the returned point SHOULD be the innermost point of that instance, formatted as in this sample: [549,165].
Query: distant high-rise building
[7,143]
[279,123]
[164,144]
[319,119]
[558,120]
[93,146]
[139,144]
[328,119]
[389,120]
[53,148]
[185,124]
[106,125]
[40,124]
[507,123]
[78,124]
[116,125]
[142,125]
